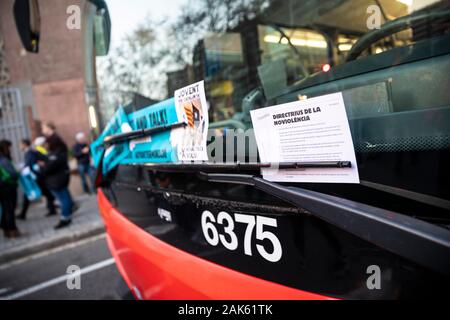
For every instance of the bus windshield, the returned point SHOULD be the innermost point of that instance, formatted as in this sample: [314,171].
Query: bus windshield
[389,59]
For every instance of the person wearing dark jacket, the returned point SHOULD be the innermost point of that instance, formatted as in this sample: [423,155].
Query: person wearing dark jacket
[55,169]
[8,191]
[31,158]
[81,152]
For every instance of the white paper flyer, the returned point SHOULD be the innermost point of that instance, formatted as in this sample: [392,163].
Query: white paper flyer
[312,130]
[191,106]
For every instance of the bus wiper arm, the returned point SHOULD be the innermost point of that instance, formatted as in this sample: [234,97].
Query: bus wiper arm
[238,166]
[416,240]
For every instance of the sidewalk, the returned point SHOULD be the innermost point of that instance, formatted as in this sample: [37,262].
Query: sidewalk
[39,234]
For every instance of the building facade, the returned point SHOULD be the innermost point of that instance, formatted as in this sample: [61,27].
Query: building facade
[57,84]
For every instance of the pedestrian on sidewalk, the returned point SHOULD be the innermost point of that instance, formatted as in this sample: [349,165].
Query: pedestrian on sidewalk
[8,191]
[57,174]
[31,157]
[80,151]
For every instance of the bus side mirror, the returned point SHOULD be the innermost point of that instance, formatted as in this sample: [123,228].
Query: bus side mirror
[28,21]
[102,28]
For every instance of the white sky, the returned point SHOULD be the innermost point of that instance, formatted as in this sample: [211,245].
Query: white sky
[127,14]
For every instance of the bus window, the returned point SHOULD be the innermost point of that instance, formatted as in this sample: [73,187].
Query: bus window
[224,72]
[289,55]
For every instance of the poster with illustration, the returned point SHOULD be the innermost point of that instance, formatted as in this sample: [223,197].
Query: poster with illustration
[192,109]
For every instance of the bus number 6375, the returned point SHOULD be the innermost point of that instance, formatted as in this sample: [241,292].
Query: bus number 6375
[230,240]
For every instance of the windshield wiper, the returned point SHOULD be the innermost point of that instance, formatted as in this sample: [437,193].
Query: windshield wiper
[416,240]
[238,166]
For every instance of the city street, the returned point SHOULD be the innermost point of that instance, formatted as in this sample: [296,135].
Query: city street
[43,275]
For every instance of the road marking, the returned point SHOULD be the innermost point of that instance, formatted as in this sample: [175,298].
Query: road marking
[51,251]
[4,290]
[60,279]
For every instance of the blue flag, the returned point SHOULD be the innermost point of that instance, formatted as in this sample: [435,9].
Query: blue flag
[116,152]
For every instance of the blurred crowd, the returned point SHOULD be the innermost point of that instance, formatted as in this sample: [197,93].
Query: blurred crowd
[44,173]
